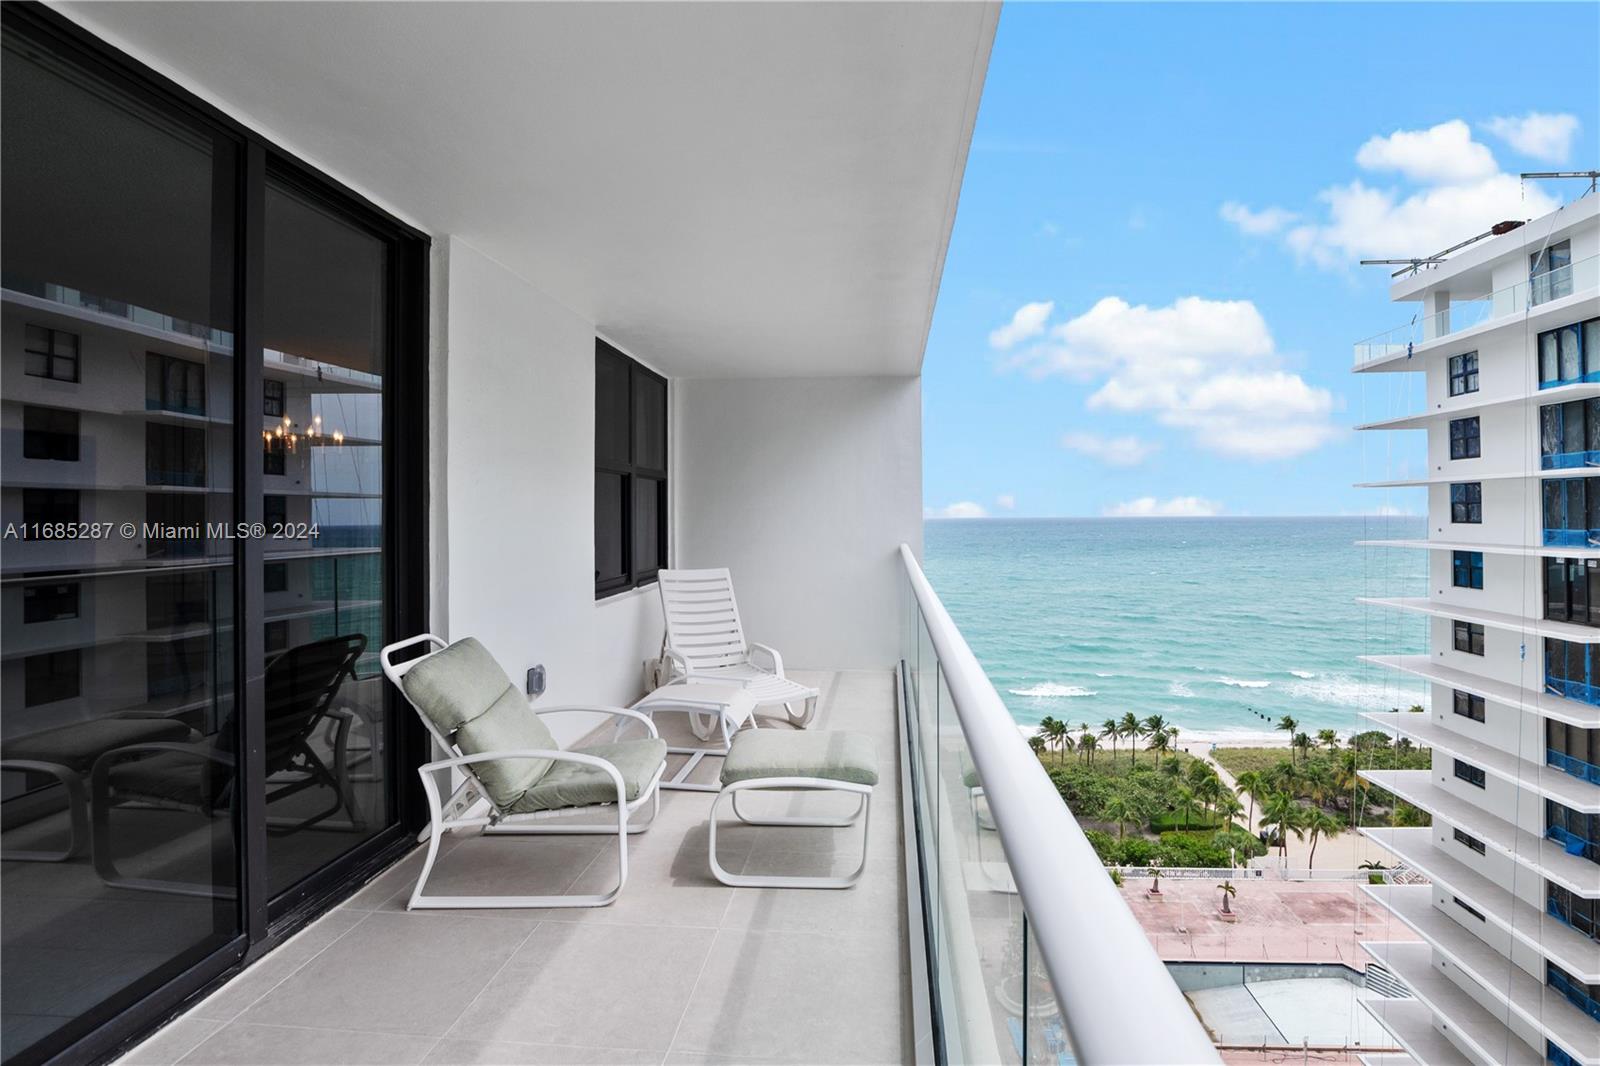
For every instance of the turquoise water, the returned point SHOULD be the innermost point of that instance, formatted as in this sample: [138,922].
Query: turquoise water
[1211,622]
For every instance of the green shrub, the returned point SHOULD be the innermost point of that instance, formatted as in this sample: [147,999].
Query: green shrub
[1169,821]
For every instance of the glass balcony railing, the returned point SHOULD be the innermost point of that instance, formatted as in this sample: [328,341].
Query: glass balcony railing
[1569,460]
[1465,312]
[1574,766]
[1571,538]
[1032,955]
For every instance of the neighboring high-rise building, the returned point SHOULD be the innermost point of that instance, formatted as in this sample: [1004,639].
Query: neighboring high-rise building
[1507,338]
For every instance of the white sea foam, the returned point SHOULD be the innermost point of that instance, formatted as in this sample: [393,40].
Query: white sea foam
[1098,673]
[1349,692]
[1181,690]
[1236,683]
[1049,690]
[1304,675]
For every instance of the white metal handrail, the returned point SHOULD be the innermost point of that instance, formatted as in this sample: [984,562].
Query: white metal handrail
[1117,1000]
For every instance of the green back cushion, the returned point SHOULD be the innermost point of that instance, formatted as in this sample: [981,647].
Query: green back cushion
[466,695]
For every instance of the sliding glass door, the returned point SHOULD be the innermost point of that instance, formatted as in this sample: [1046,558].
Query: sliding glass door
[210,397]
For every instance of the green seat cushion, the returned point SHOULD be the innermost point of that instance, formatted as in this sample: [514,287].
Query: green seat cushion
[832,756]
[456,684]
[463,692]
[570,784]
[77,746]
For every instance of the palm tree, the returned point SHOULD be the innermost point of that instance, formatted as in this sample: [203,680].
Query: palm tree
[1282,811]
[1249,783]
[1055,732]
[1130,729]
[1227,806]
[1227,892]
[1109,728]
[1036,742]
[1318,780]
[1210,792]
[1153,725]
[1122,809]
[1183,802]
[1159,741]
[1288,725]
[1319,822]
[1302,743]
[1328,739]
[1086,744]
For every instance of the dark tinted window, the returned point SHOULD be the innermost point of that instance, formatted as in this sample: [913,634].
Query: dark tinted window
[630,480]
[49,433]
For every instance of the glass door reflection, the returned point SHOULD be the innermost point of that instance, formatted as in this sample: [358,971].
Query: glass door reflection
[326,337]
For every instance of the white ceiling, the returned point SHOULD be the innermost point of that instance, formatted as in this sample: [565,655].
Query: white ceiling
[727,189]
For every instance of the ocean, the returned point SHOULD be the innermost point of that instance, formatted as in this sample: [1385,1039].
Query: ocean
[1222,625]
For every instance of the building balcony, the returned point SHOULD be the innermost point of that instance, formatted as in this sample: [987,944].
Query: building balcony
[1545,856]
[1429,668]
[1562,943]
[1571,538]
[1411,1024]
[943,940]
[1546,781]
[1568,631]
[1486,1037]
[1540,302]
[1546,1008]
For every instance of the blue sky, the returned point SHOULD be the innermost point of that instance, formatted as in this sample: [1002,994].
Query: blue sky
[1188,187]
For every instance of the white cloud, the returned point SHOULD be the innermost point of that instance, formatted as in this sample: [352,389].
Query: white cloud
[1006,502]
[1456,190]
[1113,451]
[1027,323]
[1367,222]
[1387,510]
[1177,507]
[1442,154]
[1206,366]
[961,509]
[1541,136]
[1262,223]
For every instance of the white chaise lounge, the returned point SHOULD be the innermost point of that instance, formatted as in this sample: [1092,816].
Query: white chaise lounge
[706,642]
[509,758]
[777,760]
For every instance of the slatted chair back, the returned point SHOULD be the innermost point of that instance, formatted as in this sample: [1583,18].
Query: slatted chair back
[300,686]
[702,618]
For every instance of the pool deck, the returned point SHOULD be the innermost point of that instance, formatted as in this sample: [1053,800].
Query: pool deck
[1278,921]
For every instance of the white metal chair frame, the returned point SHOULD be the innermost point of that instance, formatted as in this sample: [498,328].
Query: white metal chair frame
[863,811]
[706,718]
[706,642]
[458,811]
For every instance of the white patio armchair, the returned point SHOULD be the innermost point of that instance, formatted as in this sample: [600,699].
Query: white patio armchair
[508,758]
[706,642]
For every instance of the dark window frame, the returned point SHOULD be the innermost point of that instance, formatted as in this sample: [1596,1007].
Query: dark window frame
[1466,438]
[55,435]
[173,383]
[1468,841]
[1469,706]
[274,397]
[49,507]
[1466,503]
[1466,569]
[1469,908]
[135,1011]
[633,474]
[52,358]
[1467,637]
[1463,373]
[1472,775]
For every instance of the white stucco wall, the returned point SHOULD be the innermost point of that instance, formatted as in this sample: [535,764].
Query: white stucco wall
[514,491]
[804,488]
